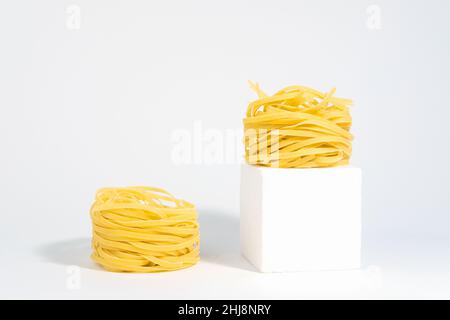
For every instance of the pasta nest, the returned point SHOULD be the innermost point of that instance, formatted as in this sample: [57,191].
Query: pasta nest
[143,229]
[298,127]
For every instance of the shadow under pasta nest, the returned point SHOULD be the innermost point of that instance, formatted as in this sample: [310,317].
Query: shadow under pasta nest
[219,244]
[219,239]
[75,252]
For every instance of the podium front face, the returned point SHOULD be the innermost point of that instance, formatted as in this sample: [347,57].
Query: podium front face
[301,219]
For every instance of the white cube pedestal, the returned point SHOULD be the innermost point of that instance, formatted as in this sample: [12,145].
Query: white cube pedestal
[301,219]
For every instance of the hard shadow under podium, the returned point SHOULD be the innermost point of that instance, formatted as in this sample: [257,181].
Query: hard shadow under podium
[219,244]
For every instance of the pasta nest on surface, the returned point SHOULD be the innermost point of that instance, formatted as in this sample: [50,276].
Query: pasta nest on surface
[143,229]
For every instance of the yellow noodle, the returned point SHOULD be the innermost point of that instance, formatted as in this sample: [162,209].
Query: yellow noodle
[298,127]
[143,229]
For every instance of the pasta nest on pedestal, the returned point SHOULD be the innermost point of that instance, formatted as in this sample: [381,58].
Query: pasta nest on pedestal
[298,127]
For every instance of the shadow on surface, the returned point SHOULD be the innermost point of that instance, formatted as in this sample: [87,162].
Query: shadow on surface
[71,252]
[219,239]
[219,244]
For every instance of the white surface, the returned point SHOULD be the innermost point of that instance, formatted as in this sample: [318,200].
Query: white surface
[97,106]
[301,219]
[393,267]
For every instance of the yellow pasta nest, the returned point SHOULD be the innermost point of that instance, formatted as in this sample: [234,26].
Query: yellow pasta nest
[298,127]
[143,229]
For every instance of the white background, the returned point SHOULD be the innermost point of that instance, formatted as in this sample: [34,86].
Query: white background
[94,106]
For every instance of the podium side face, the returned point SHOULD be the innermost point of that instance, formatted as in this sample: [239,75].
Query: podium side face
[251,215]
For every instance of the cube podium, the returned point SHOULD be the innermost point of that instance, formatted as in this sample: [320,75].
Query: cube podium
[300,219]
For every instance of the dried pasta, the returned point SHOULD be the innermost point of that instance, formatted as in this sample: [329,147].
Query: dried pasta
[298,127]
[143,229]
